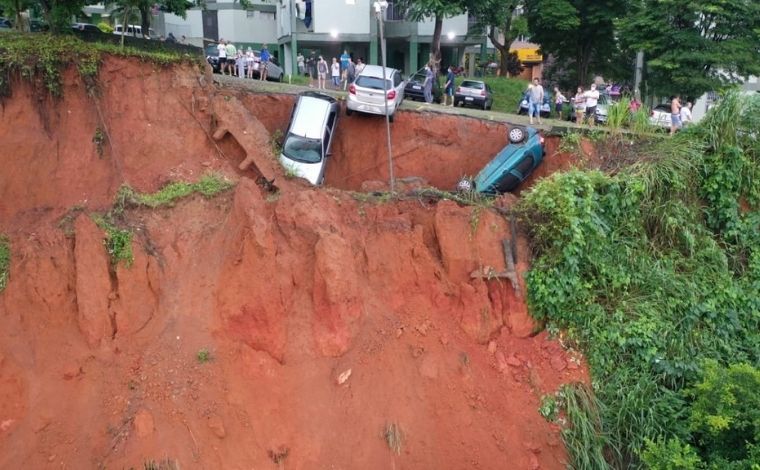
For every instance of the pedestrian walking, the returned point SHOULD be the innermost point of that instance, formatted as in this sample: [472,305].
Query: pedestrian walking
[265,56]
[579,103]
[592,98]
[427,86]
[535,99]
[448,88]
[335,73]
[559,102]
[322,70]
[675,114]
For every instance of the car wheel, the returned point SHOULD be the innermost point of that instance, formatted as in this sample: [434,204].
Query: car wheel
[485,106]
[390,118]
[516,135]
[349,111]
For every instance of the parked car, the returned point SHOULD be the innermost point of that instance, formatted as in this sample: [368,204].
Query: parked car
[134,30]
[310,134]
[473,93]
[86,27]
[660,116]
[546,106]
[38,26]
[511,166]
[5,24]
[414,87]
[369,91]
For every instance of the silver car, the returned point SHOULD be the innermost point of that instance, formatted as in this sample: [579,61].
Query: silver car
[310,135]
[366,94]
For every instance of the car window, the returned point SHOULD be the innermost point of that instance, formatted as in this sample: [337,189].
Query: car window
[526,165]
[396,79]
[470,84]
[302,149]
[375,83]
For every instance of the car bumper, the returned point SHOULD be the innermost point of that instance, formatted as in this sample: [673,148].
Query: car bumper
[370,108]
[473,100]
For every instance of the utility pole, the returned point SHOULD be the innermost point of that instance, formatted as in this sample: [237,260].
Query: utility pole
[380,7]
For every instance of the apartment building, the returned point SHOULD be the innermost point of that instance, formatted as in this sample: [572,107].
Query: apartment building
[328,27]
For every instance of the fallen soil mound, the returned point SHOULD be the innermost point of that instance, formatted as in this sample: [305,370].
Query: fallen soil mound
[300,328]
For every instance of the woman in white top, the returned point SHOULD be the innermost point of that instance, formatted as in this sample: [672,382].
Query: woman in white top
[686,114]
[249,62]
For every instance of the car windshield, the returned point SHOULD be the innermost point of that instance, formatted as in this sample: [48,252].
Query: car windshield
[376,83]
[302,149]
[469,84]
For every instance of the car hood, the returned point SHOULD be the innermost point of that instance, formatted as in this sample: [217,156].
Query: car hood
[308,171]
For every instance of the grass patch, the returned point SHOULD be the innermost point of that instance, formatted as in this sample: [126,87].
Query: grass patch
[5,261]
[203,356]
[208,186]
[118,242]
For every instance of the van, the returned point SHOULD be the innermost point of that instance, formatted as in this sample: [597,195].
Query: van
[133,30]
[310,135]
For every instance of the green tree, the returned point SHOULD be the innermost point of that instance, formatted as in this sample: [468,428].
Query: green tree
[693,46]
[58,13]
[499,20]
[579,33]
[13,8]
[418,10]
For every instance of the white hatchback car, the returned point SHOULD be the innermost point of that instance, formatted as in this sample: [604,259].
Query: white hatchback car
[366,93]
[660,116]
[310,135]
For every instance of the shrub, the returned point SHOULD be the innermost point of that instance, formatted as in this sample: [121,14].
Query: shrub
[5,261]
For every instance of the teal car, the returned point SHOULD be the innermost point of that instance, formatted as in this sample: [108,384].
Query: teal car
[511,166]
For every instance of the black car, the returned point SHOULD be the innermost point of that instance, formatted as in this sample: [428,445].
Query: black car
[5,23]
[212,57]
[90,28]
[414,89]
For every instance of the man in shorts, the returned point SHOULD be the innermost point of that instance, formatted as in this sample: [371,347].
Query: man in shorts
[265,57]
[675,114]
[231,57]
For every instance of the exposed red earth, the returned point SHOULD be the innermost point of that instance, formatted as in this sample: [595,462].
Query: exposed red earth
[331,321]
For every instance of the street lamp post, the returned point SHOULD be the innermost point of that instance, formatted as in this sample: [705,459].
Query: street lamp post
[380,7]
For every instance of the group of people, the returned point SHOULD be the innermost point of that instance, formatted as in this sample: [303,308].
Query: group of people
[341,72]
[583,103]
[680,115]
[242,63]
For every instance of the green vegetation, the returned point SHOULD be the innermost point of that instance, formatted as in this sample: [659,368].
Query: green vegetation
[46,56]
[5,261]
[203,356]
[209,185]
[654,272]
[118,242]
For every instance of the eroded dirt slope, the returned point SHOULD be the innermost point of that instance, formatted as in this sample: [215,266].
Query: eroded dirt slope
[328,317]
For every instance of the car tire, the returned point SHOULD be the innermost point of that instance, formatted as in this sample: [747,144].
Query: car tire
[349,111]
[390,118]
[516,135]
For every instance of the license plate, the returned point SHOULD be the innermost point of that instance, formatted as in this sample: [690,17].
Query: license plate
[415,87]
[468,98]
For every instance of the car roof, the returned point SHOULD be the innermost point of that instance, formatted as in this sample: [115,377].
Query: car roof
[377,71]
[311,111]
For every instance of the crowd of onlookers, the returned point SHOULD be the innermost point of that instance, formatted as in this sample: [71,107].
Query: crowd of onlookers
[339,73]
[234,61]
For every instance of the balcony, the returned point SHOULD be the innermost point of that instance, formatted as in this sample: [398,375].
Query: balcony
[395,12]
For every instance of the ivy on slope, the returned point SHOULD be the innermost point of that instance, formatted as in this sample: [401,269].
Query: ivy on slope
[655,274]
